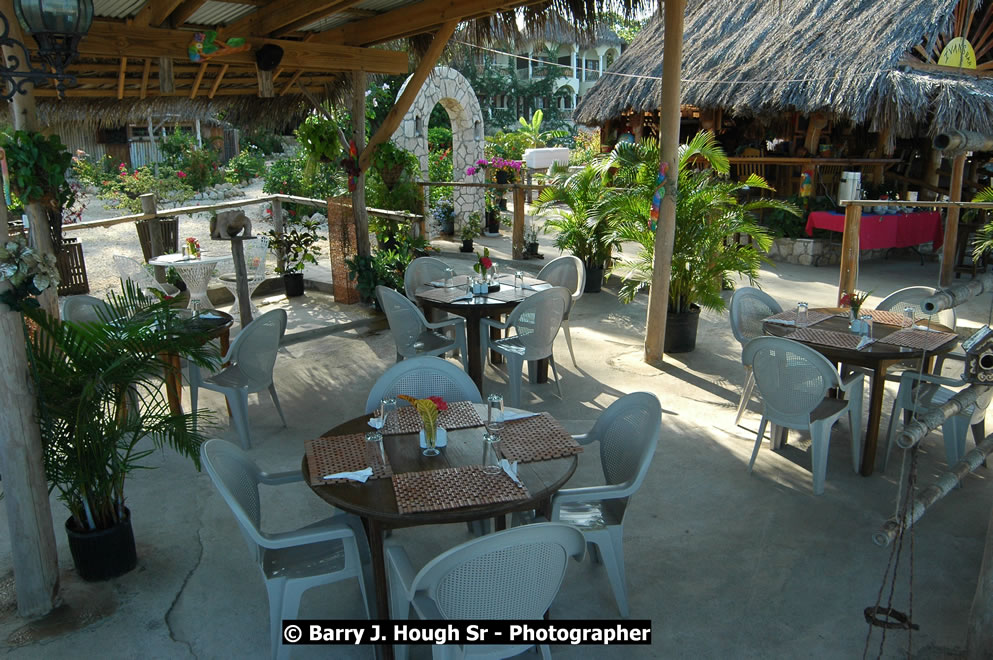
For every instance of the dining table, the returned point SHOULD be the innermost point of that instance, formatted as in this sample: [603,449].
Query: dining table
[214,324]
[451,297]
[827,331]
[195,271]
[408,489]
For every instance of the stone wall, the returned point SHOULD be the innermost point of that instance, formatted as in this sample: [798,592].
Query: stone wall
[814,251]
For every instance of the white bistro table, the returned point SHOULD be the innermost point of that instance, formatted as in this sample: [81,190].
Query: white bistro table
[196,272]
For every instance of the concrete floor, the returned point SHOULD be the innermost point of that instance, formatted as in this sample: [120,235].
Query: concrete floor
[725,564]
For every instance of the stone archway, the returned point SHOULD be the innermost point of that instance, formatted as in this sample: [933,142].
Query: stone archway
[449,88]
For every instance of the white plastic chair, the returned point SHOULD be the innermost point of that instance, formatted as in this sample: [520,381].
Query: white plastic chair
[628,432]
[794,381]
[748,307]
[129,269]
[566,271]
[413,334]
[536,321]
[922,394]
[514,574]
[419,272]
[256,251]
[291,562]
[86,309]
[421,377]
[250,360]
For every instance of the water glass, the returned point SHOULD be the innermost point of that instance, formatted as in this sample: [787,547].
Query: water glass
[491,454]
[908,317]
[493,272]
[494,413]
[374,448]
[387,411]
[867,320]
[519,280]
[801,315]
[195,306]
[449,276]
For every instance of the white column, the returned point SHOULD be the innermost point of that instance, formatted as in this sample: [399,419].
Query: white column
[575,68]
[582,68]
[530,64]
[601,64]
[575,100]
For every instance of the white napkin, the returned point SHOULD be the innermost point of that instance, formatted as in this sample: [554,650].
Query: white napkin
[924,328]
[863,342]
[509,415]
[461,298]
[360,475]
[781,321]
[376,422]
[511,470]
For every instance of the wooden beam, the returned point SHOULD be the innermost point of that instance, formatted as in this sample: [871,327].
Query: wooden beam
[144,76]
[341,7]
[167,84]
[412,19]
[952,223]
[286,87]
[163,8]
[217,81]
[275,15]
[121,71]
[413,86]
[109,40]
[265,84]
[198,80]
[848,279]
[144,15]
[184,11]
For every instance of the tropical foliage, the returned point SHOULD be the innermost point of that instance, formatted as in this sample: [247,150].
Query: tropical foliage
[983,243]
[709,213]
[102,408]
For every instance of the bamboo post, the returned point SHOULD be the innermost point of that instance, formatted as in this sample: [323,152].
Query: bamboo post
[658,295]
[277,226]
[363,247]
[518,234]
[850,250]
[952,222]
[154,231]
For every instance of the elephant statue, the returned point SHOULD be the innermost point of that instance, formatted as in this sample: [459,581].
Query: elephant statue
[228,224]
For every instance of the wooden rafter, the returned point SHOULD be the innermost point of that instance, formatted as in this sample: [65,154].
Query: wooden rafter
[198,80]
[410,91]
[120,77]
[184,11]
[144,77]
[217,81]
[344,6]
[286,87]
[163,8]
[279,14]
[144,15]
[108,40]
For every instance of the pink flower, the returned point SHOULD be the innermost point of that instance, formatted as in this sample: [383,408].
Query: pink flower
[181,174]
[486,263]
[470,170]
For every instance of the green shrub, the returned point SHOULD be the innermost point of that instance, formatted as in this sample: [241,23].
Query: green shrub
[440,169]
[247,165]
[267,143]
[585,147]
[90,171]
[439,138]
[124,190]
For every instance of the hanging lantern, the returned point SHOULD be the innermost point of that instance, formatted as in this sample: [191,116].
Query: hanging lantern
[57,26]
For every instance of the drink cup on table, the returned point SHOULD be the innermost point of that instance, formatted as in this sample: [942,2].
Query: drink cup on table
[491,454]
[801,315]
[494,413]
[374,446]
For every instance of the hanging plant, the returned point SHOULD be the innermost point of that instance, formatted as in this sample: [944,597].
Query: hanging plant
[37,168]
[319,139]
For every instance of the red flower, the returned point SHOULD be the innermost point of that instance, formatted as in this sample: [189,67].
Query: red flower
[181,174]
[438,402]
[845,300]
[486,263]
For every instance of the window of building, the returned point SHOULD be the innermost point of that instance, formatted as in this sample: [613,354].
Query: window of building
[522,63]
[592,69]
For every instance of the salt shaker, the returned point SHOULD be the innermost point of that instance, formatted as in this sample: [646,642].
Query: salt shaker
[801,315]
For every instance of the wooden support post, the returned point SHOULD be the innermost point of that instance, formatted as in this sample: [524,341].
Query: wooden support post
[882,140]
[850,250]
[518,235]
[277,226]
[145,71]
[952,223]
[167,84]
[241,280]
[266,87]
[195,89]
[363,245]
[217,81]
[931,176]
[658,295]
[121,73]
[154,232]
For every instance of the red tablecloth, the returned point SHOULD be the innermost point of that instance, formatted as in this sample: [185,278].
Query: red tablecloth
[885,231]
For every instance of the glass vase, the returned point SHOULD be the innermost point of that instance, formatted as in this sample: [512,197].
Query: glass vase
[431,438]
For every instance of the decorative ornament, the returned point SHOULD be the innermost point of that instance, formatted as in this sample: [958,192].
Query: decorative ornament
[206,46]
[659,194]
[351,166]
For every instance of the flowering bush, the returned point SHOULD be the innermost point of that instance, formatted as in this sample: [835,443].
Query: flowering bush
[123,190]
[511,167]
[28,272]
[244,167]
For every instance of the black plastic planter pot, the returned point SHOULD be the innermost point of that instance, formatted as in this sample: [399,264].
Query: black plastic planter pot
[103,554]
[594,280]
[466,246]
[293,284]
[680,331]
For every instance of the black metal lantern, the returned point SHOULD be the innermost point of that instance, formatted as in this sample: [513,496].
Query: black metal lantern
[57,26]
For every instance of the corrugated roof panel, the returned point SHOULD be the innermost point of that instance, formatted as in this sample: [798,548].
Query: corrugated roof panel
[220,13]
[327,23]
[378,6]
[116,8]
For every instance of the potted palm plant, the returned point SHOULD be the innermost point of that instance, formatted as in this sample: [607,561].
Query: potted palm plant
[298,245]
[102,410]
[709,213]
[573,206]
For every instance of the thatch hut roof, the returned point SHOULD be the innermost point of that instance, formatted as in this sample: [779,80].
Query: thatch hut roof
[868,61]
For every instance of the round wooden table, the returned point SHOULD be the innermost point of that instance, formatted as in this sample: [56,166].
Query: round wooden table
[877,357]
[374,501]
[217,325]
[492,305]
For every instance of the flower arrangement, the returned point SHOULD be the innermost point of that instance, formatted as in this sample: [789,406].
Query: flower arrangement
[484,263]
[193,247]
[428,409]
[854,300]
[511,167]
[28,272]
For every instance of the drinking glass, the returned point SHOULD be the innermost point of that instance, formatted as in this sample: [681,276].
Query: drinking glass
[491,454]
[195,306]
[494,413]
[801,315]
[387,411]
[493,272]
[374,448]
[449,276]
[519,280]
[908,317]
[867,319]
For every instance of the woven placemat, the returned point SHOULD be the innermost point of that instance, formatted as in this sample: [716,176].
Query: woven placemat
[460,415]
[453,488]
[923,339]
[331,454]
[826,338]
[538,438]
[813,316]
[885,317]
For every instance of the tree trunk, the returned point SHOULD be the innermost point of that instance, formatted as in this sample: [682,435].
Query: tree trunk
[658,298]
[363,247]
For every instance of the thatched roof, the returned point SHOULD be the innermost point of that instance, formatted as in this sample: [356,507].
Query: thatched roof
[856,59]
[555,29]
